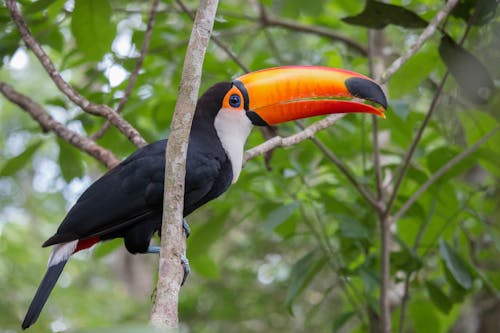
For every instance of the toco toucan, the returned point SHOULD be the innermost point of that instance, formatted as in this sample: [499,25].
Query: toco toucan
[127,201]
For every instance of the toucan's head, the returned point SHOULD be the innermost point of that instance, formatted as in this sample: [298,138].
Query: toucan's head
[276,95]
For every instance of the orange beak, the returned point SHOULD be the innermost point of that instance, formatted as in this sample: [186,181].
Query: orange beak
[281,94]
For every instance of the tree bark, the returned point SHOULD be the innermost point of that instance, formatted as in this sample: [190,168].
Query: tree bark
[173,242]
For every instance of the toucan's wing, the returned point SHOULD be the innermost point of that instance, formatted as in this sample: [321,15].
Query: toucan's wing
[119,198]
[133,192]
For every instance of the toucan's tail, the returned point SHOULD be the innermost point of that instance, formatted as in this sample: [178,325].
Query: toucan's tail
[43,292]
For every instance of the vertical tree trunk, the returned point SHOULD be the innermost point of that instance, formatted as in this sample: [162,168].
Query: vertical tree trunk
[173,243]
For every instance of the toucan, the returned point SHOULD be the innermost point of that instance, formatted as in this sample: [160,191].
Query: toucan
[126,202]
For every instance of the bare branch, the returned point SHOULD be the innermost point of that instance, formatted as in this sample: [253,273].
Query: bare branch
[279,141]
[450,164]
[376,63]
[92,108]
[48,123]
[269,21]
[135,72]
[173,242]
[424,36]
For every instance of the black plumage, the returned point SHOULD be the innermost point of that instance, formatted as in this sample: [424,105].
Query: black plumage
[48,282]
[127,201]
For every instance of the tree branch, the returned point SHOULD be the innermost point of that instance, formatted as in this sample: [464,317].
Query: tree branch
[135,72]
[173,241]
[450,164]
[92,108]
[424,36]
[376,64]
[279,141]
[48,123]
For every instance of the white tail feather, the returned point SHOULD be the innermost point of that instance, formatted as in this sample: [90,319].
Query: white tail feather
[61,252]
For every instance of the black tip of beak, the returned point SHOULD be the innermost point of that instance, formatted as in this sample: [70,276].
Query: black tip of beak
[366,89]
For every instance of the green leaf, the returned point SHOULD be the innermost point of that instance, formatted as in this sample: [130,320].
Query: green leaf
[15,164]
[92,27]
[203,237]
[280,215]
[369,276]
[424,317]
[205,266]
[70,161]
[352,228]
[471,75]
[37,6]
[9,42]
[456,265]
[416,70]
[438,297]
[378,15]
[405,259]
[457,292]
[476,124]
[302,274]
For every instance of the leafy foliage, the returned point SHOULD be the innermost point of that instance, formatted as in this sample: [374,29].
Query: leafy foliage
[294,248]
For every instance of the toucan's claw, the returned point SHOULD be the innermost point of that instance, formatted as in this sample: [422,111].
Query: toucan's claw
[187,268]
[187,229]
[184,262]
[153,249]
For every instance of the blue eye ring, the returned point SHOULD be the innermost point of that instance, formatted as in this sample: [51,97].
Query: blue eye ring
[235,100]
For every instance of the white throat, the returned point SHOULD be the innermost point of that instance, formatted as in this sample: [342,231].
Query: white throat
[233,128]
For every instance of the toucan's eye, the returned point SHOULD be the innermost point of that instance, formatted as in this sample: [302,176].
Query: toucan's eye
[235,101]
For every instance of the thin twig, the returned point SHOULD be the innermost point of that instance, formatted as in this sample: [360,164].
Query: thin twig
[96,109]
[451,163]
[173,241]
[385,239]
[135,73]
[291,140]
[376,67]
[424,36]
[269,21]
[375,44]
[48,123]
[376,159]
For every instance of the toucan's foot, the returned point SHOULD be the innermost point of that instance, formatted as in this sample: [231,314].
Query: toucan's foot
[185,226]
[153,249]
[184,262]
[187,269]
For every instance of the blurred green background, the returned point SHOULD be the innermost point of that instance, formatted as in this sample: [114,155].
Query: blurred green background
[292,247]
